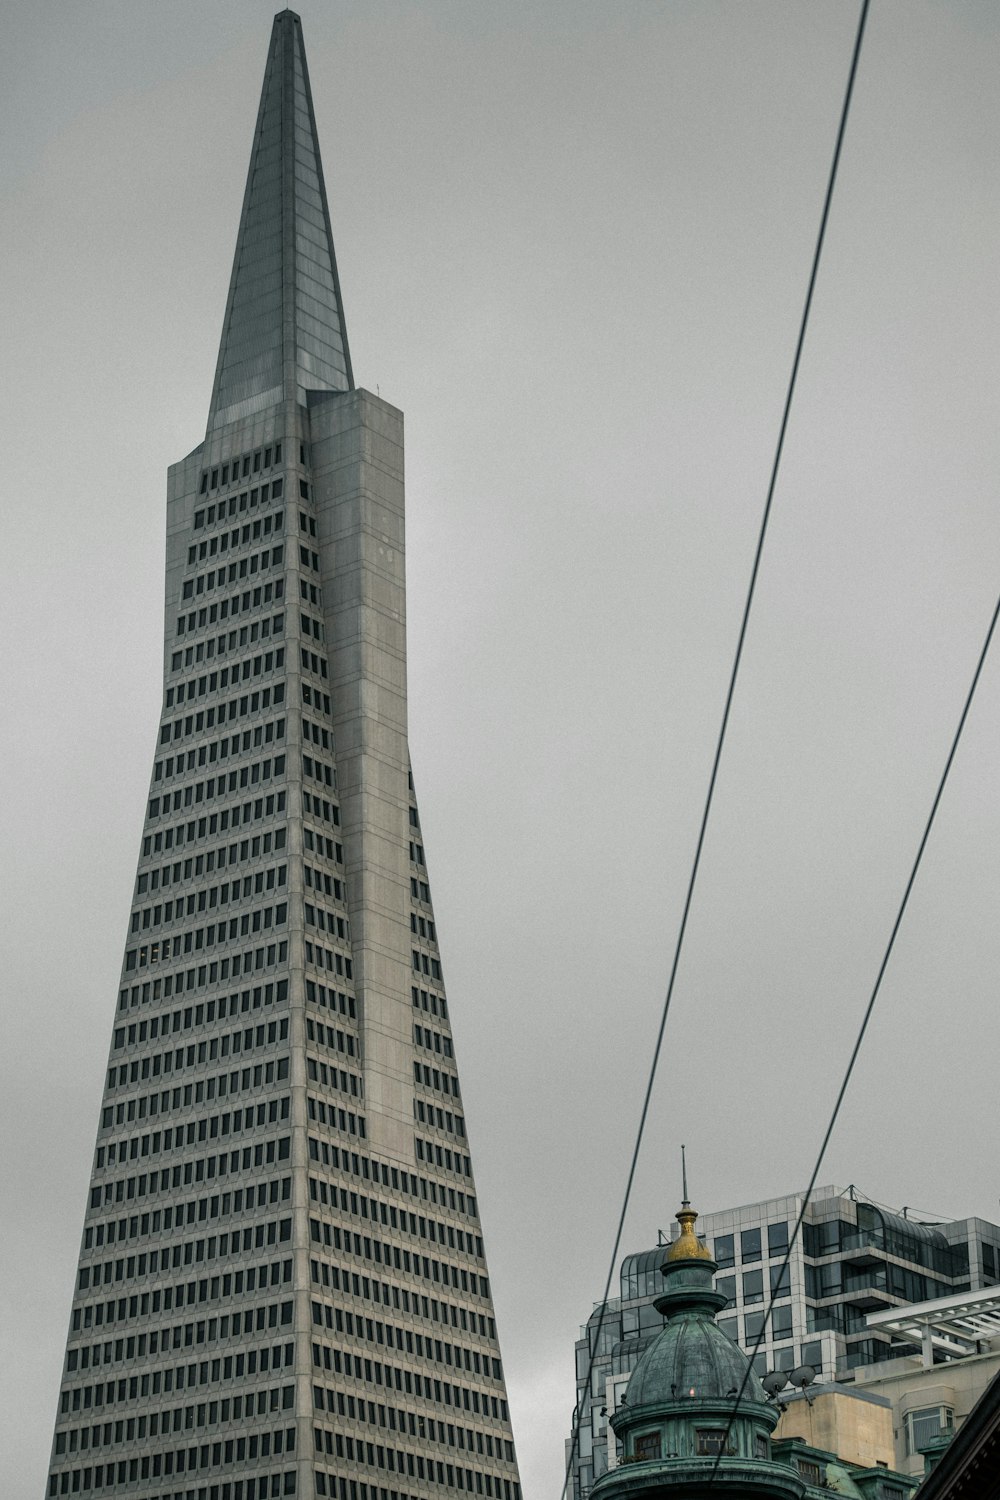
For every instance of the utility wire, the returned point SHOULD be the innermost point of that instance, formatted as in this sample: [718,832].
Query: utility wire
[737,659]
[807,1196]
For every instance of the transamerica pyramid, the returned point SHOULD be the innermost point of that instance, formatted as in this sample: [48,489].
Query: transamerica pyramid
[282,1288]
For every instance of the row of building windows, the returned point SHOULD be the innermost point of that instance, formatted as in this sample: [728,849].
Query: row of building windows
[442,1119]
[433,1078]
[374,1372]
[398,1461]
[233,640]
[427,1000]
[210,898]
[237,708]
[215,1247]
[432,1040]
[263,919]
[334,1078]
[370,1289]
[247,567]
[185,1294]
[314,699]
[319,771]
[213,823]
[257,1487]
[423,927]
[335,963]
[266,1112]
[396,1178]
[397,1257]
[233,470]
[750,1245]
[225,1085]
[217,786]
[329,1036]
[222,858]
[225,677]
[420,890]
[220,970]
[417,1345]
[181,1336]
[318,843]
[317,734]
[423,963]
[270,1357]
[336,1118]
[400,1419]
[187,1460]
[394,1216]
[319,880]
[339,1488]
[180,1215]
[183,1020]
[240,1200]
[318,994]
[221,749]
[213,614]
[327,921]
[328,811]
[313,663]
[176,1419]
[443,1157]
[250,531]
[309,559]
[210,1169]
[753,1285]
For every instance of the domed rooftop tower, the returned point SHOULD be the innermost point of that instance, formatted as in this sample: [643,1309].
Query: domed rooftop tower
[695,1420]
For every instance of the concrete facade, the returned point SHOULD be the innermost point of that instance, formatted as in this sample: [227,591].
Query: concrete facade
[922,1399]
[856,1425]
[282,1285]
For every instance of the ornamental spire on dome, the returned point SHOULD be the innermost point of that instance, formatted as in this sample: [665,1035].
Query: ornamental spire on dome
[686,1246]
[284,333]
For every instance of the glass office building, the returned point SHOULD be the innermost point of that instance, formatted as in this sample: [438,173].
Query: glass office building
[853,1257]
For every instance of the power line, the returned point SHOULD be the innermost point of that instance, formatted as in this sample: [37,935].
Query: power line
[725,717]
[865,1019]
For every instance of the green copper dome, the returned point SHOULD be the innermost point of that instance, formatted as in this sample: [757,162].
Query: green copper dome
[692,1357]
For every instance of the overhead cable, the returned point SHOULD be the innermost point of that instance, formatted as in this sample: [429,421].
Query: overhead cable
[734,673]
[807,1196]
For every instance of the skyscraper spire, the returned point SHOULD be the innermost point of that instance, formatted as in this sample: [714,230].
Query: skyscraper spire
[284,333]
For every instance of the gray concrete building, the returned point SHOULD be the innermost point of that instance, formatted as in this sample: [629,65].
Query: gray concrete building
[282,1286]
[853,1258]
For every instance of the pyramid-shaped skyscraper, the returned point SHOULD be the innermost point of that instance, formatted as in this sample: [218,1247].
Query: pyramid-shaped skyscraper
[282,1287]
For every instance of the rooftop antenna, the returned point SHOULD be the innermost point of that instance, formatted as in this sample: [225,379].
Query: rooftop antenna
[685,1201]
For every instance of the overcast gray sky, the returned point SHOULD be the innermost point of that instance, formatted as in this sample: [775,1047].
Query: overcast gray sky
[573,242]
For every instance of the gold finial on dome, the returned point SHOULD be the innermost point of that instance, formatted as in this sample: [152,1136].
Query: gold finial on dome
[686,1246]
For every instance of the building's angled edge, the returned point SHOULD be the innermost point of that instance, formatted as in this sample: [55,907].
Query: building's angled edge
[282,1288]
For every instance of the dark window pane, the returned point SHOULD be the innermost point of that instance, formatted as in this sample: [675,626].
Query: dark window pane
[752,1324]
[777,1239]
[750,1244]
[725,1251]
[753,1286]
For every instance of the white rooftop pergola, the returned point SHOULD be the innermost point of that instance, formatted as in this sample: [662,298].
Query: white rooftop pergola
[954,1325]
